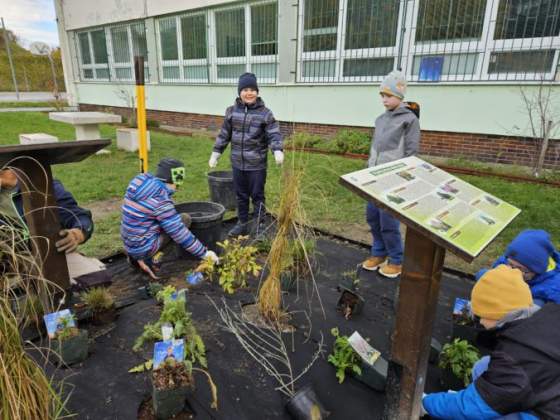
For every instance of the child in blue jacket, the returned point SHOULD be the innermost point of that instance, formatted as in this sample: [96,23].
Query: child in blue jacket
[533,253]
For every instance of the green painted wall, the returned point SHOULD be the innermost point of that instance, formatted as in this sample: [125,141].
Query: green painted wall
[488,109]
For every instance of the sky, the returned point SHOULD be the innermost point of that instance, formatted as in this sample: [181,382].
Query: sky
[30,20]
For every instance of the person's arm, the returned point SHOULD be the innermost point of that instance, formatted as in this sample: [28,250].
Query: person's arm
[412,138]
[70,214]
[462,405]
[481,272]
[273,135]
[224,136]
[172,224]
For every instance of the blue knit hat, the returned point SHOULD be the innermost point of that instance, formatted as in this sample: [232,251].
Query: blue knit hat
[394,84]
[247,80]
[532,248]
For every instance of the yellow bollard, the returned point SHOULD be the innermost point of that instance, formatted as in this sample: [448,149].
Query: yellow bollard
[141,112]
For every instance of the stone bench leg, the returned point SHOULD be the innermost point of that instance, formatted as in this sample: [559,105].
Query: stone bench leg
[87,132]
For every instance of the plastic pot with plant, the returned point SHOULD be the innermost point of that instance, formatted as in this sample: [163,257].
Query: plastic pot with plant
[67,341]
[456,361]
[350,303]
[101,304]
[346,360]
[464,324]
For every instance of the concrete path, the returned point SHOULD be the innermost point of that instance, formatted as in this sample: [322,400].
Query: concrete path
[29,96]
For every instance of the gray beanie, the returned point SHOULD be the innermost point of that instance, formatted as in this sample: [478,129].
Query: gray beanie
[394,84]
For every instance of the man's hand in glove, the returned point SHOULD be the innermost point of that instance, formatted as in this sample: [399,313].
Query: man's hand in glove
[71,238]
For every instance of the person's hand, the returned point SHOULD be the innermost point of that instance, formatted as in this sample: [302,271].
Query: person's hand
[212,256]
[71,238]
[213,162]
[279,157]
[146,269]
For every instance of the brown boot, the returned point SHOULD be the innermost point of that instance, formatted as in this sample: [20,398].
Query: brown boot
[391,270]
[373,263]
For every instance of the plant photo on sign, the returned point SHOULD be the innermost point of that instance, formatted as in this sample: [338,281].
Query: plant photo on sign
[236,264]
[343,357]
[459,358]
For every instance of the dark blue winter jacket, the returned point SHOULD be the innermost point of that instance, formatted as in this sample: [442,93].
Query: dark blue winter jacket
[251,129]
[69,213]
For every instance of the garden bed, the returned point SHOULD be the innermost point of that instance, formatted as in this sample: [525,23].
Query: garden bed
[103,388]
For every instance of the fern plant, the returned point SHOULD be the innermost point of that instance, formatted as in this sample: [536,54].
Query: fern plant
[459,356]
[343,357]
[236,264]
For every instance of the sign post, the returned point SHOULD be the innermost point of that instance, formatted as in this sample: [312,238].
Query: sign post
[141,112]
[441,213]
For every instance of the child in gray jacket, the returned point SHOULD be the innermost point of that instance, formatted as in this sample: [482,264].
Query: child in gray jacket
[397,135]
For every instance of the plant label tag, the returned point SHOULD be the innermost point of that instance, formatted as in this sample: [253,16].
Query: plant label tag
[363,348]
[167,331]
[195,278]
[56,320]
[170,349]
[461,306]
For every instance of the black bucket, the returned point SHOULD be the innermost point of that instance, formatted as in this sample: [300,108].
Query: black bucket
[305,405]
[206,222]
[220,184]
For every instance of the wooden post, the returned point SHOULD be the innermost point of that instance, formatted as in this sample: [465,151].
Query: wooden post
[418,294]
[41,215]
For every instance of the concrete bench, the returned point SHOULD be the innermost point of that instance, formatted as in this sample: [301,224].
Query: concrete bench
[86,123]
[127,139]
[37,138]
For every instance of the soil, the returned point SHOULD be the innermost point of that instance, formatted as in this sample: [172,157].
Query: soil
[252,315]
[171,375]
[348,302]
[103,208]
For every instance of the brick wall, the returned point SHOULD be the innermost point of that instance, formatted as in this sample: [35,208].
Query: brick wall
[480,147]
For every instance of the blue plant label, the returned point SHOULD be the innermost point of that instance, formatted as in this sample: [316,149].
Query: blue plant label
[164,350]
[55,321]
[461,305]
[195,278]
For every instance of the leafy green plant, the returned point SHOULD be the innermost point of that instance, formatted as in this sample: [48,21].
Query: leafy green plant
[460,357]
[237,263]
[98,299]
[165,293]
[352,141]
[207,267]
[343,357]
[301,139]
[175,313]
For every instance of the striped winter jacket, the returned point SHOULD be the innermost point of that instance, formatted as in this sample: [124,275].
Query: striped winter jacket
[251,129]
[147,212]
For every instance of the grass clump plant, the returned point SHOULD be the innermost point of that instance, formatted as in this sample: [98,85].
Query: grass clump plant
[98,299]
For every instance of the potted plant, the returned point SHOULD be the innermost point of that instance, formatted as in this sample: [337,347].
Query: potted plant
[350,279]
[456,361]
[101,304]
[236,264]
[346,359]
[464,325]
[70,343]
[350,303]
[171,382]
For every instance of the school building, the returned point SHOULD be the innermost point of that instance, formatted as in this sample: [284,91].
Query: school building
[319,64]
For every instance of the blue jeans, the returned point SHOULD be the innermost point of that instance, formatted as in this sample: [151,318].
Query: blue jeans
[478,369]
[386,234]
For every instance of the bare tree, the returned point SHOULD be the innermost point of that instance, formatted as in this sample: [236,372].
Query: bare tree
[543,112]
[130,102]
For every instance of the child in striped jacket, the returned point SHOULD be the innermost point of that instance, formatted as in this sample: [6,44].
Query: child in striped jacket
[149,218]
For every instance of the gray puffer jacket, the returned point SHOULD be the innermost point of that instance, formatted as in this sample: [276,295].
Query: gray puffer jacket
[397,135]
[251,129]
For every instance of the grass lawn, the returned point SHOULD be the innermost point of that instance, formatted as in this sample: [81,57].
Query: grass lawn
[21,104]
[328,205]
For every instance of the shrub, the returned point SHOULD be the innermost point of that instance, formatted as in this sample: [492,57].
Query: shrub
[300,139]
[352,141]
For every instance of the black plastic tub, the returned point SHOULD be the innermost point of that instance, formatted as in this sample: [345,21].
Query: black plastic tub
[305,405]
[222,190]
[206,222]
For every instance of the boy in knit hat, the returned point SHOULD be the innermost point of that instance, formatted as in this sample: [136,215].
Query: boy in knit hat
[533,253]
[149,218]
[251,129]
[521,377]
[397,135]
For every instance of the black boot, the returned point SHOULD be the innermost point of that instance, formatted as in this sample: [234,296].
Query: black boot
[240,229]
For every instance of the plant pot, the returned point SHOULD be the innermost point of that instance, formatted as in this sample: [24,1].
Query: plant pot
[287,281]
[350,303]
[206,223]
[466,332]
[374,376]
[222,190]
[301,405]
[169,402]
[105,317]
[74,349]
[450,381]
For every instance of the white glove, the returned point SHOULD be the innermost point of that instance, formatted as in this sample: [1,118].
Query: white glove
[212,255]
[279,157]
[423,411]
[214,159]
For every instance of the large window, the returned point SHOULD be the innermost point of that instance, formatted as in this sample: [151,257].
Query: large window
[358,44]
[527,19]
[94,59]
